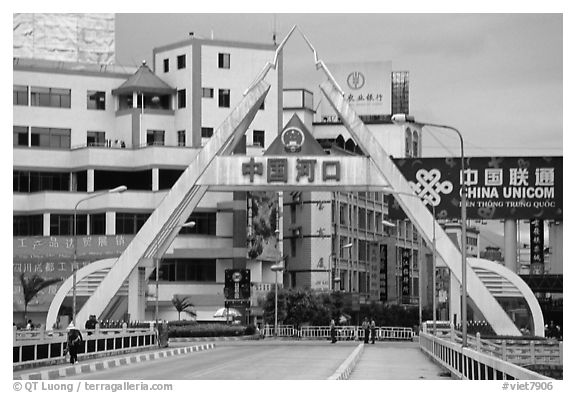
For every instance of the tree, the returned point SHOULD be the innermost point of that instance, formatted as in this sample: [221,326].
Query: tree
[31,286]
[183,304]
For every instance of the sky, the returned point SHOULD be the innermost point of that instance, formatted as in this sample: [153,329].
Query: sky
[498,78]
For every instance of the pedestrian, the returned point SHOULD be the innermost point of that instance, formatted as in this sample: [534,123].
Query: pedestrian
[74,340]
[29,325]
[373,329]
[333,331]
[366,328]
[90,324]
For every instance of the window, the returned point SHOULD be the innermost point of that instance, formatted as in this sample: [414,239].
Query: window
[181,98]
[205,224]
[28,225]
[224,60]
[20,96]
[207,132]
[63,224]
[130,223]
[95,138]
[207,92]
[98,224]
[155,138]
[224,98]
[258,138]
[415,144]
[181,61]
[361,218]
[20,136]
[51,97]
[182,138]
[187,270]
[166,65]
[96,100]
[54,138]
[408,141]
[25,181]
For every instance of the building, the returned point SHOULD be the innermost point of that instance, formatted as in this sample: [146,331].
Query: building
[81,129]
[345,233]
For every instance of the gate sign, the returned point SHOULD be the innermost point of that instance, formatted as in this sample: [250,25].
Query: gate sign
[497,187]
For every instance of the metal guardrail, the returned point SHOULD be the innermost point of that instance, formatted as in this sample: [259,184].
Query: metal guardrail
[33,346]
[520,351]
[470,363]
[343,333]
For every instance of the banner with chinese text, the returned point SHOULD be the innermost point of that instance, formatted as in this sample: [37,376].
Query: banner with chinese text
[497,187]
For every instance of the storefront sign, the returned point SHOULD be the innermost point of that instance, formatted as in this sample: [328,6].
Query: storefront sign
[405,254]
[496,187]
[536,246]
[383,273]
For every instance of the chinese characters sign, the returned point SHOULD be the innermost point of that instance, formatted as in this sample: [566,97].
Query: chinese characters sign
[383,273]
[280,170]
[497,187]
[536,246]
[53,257]
[405,254]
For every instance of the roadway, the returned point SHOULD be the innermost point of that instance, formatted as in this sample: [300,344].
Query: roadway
[241,360]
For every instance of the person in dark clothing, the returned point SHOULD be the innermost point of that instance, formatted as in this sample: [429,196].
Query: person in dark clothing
[74,340]
[373,329]
[333,331]
[366,328]
[91,324]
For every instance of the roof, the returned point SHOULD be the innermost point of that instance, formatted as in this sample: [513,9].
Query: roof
[309,145]
[144,81]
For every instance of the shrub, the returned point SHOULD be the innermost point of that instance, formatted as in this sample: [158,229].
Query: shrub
[206,330]
[250,330]
[182,323]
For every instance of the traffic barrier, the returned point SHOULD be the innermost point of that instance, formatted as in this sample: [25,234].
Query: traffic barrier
[37,347]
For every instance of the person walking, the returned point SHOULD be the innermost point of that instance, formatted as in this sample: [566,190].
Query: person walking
[74,340]
[366,328]
[373,329]
[333,331]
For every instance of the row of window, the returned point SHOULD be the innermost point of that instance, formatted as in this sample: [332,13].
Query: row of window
[187,270]
[55,97]
[30,181]
[223,62]
[48,137]
[126,224]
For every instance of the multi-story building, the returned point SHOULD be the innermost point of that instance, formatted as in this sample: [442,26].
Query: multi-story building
[344,232]
[81,129]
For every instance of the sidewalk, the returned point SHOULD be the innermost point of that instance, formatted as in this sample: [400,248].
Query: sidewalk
[87,366]
[396,361]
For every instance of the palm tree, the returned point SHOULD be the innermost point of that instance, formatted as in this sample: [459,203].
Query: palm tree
[32,286]
[182,304]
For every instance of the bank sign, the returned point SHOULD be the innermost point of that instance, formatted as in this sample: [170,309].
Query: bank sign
[497,187]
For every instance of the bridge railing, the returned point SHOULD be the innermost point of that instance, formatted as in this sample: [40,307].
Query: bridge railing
[30,347]
[342,332]
[469,363]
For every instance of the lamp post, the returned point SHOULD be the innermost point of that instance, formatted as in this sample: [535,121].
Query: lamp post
[389,224]
[403,119]
[276,268]
[157,266]
[111,191]
[349,247]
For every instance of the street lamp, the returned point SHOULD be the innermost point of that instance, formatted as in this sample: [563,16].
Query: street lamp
[276,268]
[112,191]
[349,247]
[157,265]
[388,223]
[402,119]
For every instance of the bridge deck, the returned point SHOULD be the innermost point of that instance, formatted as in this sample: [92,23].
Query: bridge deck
[396,361]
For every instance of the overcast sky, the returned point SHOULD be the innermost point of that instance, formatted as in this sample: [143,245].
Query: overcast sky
[496,77]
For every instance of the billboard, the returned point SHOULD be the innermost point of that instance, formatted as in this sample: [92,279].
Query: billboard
[366,87]
[497,187]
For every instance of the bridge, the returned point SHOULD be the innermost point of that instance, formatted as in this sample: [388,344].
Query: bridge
[396,354]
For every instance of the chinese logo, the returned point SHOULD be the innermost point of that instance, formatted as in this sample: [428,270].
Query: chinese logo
[355,80]
[429,187]
[293,139]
